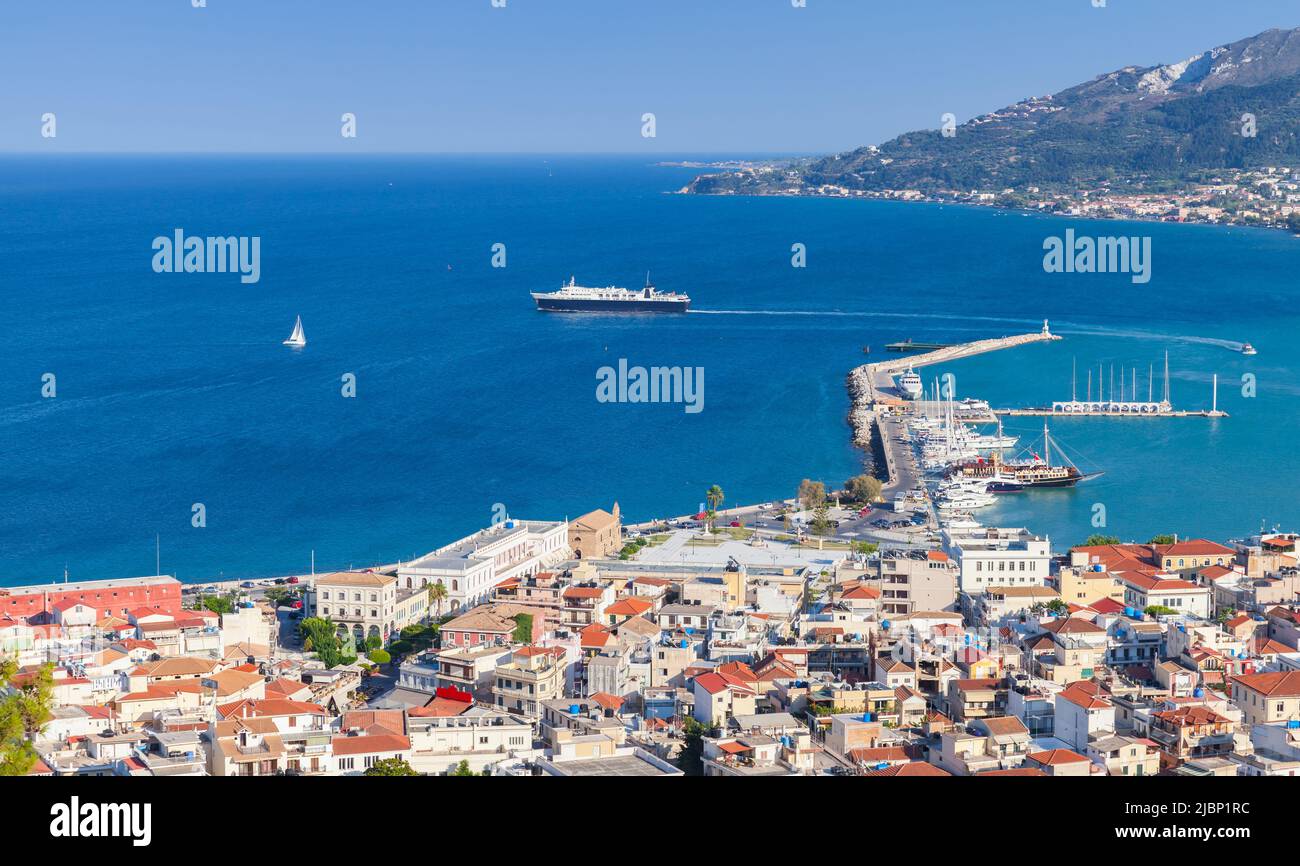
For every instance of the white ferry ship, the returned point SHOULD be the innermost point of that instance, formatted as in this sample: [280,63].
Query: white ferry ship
[572,298]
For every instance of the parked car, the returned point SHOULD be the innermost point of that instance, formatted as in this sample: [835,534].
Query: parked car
[735,523]
[292,580]
[279,581]
[248,584]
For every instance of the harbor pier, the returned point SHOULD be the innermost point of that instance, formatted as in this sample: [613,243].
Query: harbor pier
[874,397]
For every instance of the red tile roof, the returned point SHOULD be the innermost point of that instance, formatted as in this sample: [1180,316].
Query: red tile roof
[1278,684]
[1086,694]
[714,682]
[1056,757]
[1190,716]
[370,744]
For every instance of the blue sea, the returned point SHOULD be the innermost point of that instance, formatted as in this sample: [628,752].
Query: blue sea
[174,389]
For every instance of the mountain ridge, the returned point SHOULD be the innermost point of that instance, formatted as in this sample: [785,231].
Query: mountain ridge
[1151,125]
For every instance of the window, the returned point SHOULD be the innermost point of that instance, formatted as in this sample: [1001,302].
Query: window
[347,763]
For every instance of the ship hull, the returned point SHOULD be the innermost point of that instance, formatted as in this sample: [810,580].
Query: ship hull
[591,305]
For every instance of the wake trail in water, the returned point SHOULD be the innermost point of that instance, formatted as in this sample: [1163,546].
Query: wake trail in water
[1093,331]
[865,315]
[1068,327]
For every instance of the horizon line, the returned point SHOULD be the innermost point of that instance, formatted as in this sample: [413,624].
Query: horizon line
[667,153]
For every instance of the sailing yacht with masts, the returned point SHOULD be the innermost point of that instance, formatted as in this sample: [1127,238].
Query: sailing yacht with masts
[297,339]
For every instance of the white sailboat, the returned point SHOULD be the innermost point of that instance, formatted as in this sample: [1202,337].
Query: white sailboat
[296,339]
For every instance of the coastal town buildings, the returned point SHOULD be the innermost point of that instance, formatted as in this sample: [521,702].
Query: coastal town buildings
[367,604]
[983,653]
[596,534]
[988,557]
[475,565]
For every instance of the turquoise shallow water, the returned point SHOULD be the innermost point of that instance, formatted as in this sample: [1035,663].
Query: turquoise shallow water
[174,389]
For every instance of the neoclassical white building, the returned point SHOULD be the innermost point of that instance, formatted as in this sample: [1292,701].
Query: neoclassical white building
[470,567]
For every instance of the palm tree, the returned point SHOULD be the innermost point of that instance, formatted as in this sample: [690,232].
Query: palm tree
[715,497]
[437,595]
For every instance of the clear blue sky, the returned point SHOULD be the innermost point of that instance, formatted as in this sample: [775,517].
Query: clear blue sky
[562,75]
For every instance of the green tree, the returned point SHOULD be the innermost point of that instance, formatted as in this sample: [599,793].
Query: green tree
[390,767]
[1162,539]
[321,635]
[811,493]
[1158,610]
[379,656]
[23,711]
[437,595]
[865,548]
[691,759]
[462,769]
[864,488]
[821,523]
[714,496]
[1100,540]
[218,603]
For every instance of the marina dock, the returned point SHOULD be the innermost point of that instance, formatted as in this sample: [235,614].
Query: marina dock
[1108,413]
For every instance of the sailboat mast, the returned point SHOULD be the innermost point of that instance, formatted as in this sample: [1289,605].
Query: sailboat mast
[1166,400]
[1047,446]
